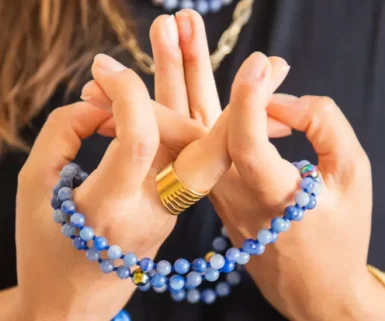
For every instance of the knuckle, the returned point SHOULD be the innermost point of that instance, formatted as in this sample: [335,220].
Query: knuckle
[321,105]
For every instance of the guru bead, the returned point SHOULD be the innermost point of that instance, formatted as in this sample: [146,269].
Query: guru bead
[140,278]
[309,171]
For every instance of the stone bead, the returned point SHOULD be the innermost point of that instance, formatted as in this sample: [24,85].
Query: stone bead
[56,190]
[209,255]
[170,5]
[301,214]
[278,224]
[243,258]
[64,182]
[107,266]
[177,282]
[59,216]
[100,243]
[78,219]
[223,289]
[307,184]
[312,203]
[83,176]
[260,248]
[227,2]
[87,233]
[123,272]
[55,202]
[199,265]
[158,280]
[232,254]
[140,278]
[233,278]
[208,296]
[249,246]
[264,236]
[302,198]
[160,290]
[302,163]
[92,255]
[274,238]
[77,181]
[79,243]
[122,316]
[186,4]
[114,252]
[68,207]
[287,226]
[194,279]
[215,5]
[164,267]
[219,244]
[130,260]
[146,264]
[64,194]
[309,171]
[68,230]
[145,288]
[193,296]
[291,212]
[178,296]
[211,274]
[317,189]
[217,261]
[228,267]
[224,232]
[181,266]
[202,6]
[69,173]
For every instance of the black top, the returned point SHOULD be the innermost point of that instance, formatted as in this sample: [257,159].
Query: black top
[335,48]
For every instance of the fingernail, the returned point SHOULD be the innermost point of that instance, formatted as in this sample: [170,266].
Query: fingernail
[255,68]
[286,68]
[184,25]
[86,88]
[283,99]
[172,31]
[108,63]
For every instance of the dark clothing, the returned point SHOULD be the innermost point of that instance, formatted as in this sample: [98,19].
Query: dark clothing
[335,48]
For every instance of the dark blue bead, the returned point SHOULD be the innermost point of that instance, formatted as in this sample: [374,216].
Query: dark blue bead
[146,264]
[68,207]
[249,246]
[312,203]
[199,265]
[228,267]
[77,181]
[300,215]
[56,190]
[291,212]
[55,202]
[83,176]
[158,280]
[100,243]
[65,182]
[122,316]
[79,243]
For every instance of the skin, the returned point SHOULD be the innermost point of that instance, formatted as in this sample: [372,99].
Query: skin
[316,271]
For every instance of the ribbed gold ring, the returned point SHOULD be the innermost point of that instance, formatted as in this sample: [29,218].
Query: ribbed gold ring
[175,197]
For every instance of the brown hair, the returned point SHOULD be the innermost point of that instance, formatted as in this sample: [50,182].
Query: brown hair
[42,44]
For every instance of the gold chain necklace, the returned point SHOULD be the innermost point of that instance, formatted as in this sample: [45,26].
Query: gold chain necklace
[226,43]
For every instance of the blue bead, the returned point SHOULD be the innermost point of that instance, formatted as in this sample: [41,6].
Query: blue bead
[146,264]
[208,296]
[68,230]
[307,184]
[163,267]
[130,260]
[219,244]
[107,266]
[170,5]
[228,267]
[215,5]
[211,274]
[59,216]
[300,215]
[114,252]
[287,226]
[302,164]
[259,248]
[92,255]
[181,266]
[100,243]
[274,237]
[243,258]
[232,254]
[177,282]
[312,203]
[302,198]
[78,220]
[77,181]
[186,4]
[122,316]
[67,172]
[202,6]
[78,243]
[123,272]
[64,194]
[194,279]
[87,233]
[223,289]
[160,290]
[291,212]
[234,278]
[249,246]
[278,224]
[217,261]
[178,296]
[199,265]
[145,288]
[83,176]
[68,207]
[55,202]
[56,190]
[193,296]
[158,280]
[224,232]
[264,236]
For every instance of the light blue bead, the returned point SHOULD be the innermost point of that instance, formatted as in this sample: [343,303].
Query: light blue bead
[158,280]
[234,278]
[194,279]
[181,266]
[170,5]
[123,272]
[217,261]
[312,203]
[215,5]
[302,198]
[68,172]
[300,215]
[177,282]
[302,163]
[317,189]
[92,255]
[193,296]
[274,237]
[146,264]
[202,6]
[243,258]
[208,296]
[100,243]
[187,4]
[68,230]
[122,316]
[64,194]
[264,236]
[307,184]
[287,226]
[145,288]
[178,296]
[163,267]
[278,224]
[211,274]
[249,246]
[223,289]
[68,207]
[130,260]
[259,247]
[59,217]
[78,219]
[64,182]
[107,266]
[114,252]
[199,265]
[160,290]
[78,243]
[87,233]
[232,254]
[219,244]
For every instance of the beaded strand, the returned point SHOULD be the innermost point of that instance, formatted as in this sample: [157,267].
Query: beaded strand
[202,6]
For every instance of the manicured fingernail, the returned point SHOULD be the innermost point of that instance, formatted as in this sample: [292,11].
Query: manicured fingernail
[283,99]
[108,63]
[184,25]
[286,68]
[172,31]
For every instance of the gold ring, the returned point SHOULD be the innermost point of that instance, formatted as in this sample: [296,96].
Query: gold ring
[175,197]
